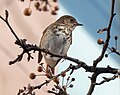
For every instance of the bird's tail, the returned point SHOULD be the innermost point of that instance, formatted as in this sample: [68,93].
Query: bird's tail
[39,57]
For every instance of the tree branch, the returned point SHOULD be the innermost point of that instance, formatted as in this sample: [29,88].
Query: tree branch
[106,43]
[6,21]
[105,46]
[107,79]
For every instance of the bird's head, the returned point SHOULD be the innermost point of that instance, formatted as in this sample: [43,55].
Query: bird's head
[68,21]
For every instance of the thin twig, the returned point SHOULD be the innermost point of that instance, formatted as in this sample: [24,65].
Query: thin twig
[107,79]
[6,21]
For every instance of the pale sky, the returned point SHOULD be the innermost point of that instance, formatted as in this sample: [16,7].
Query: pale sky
[85,48]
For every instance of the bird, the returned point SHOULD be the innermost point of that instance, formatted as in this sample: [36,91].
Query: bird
[57,38]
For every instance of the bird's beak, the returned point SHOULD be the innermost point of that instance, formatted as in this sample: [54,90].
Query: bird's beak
[78,24]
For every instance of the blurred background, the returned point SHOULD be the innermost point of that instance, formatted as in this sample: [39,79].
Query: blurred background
[14,77]
[94,15]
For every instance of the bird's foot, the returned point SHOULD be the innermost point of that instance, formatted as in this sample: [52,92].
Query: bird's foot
[49,75]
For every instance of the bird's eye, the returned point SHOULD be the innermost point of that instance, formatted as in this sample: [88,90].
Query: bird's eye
[71,20]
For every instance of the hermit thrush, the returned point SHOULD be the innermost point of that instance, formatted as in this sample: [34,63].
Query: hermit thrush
[57,38]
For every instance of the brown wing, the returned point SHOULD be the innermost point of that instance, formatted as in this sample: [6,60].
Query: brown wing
[43,39]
